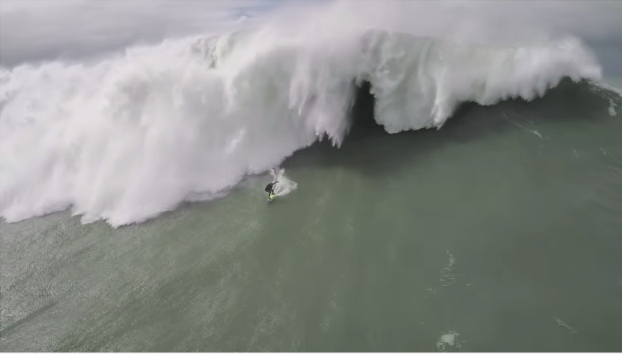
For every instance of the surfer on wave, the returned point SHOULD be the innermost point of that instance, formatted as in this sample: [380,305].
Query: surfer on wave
[270,190]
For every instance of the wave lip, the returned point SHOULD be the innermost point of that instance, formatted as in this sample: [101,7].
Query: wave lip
[130,137]
[419,82]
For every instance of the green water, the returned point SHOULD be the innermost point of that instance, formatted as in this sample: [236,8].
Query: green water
[499,232]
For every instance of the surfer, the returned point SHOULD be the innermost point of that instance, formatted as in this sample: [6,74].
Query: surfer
[270,190]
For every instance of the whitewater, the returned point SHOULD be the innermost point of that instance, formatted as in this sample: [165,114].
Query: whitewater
[128,137]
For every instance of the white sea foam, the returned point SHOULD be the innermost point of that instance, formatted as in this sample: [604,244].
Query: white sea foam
[449,339]
[284,185]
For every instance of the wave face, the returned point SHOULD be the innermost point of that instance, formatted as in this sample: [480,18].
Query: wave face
[132,136]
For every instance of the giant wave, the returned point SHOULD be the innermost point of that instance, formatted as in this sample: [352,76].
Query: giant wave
[127,138]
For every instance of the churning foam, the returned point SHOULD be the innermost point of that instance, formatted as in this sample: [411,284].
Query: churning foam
[284,185]
[448,339]
[132,136]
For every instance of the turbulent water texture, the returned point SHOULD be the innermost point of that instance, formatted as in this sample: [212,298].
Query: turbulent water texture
[127,138]
[498,232]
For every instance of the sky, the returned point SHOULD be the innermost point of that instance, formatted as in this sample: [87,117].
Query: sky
[33,30]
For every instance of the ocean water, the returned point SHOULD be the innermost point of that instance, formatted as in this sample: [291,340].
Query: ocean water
[134,216]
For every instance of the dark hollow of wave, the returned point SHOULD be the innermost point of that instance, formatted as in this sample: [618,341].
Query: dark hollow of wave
[367,145]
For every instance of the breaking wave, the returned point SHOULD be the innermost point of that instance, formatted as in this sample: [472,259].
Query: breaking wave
[127,138]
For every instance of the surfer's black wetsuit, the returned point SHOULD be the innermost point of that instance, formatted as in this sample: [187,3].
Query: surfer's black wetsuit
[270,188]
